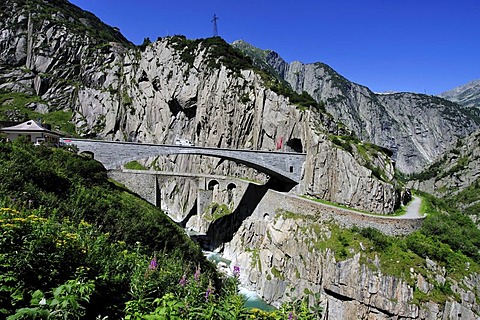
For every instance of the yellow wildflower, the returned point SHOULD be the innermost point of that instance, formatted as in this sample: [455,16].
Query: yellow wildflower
[84,223]
[10,210]
[71,236]
[60,243]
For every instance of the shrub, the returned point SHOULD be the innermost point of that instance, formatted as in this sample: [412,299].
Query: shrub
[380,240]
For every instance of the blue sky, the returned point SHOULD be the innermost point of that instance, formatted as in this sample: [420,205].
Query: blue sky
[420,46]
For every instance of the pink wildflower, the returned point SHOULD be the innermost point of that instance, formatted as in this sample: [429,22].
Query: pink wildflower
[236,271]
[183,280]
[207,293]
[153,264]
[197,274]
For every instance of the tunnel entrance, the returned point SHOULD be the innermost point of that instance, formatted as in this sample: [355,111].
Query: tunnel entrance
[295,144]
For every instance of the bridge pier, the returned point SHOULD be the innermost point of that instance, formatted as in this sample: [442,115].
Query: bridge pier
[146,186]
[183,195]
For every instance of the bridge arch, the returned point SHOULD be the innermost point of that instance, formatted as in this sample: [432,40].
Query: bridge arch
[212,184]
[283,166]
[231,187]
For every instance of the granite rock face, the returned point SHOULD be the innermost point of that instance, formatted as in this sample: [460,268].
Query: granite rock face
[179,88]
[286,253]
[416,127]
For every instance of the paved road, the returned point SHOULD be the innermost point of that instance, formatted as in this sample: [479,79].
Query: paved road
[413,209]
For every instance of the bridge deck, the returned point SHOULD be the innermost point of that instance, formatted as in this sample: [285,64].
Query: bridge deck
[284,166]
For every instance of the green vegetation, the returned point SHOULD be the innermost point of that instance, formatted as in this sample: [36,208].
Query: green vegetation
[146,42]
[134,165]
[216,211]
[445,224]
[469,199]
[366,152]
[218,53]
[74,19]
[126,99]
[277,274]
[284,214]
[400,211]
[472,112]
[221,53]
[337,80]
[454,165]
[13,107]
[255,258]
[74,245]
[258,56]
[303,101]
[447,237]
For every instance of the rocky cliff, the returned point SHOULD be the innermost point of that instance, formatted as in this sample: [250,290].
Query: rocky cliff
[205,91]
[296,254]
[456,176]
[416,127]
[202,90]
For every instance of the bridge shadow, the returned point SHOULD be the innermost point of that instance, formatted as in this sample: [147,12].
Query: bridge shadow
[223,229]
[190,214]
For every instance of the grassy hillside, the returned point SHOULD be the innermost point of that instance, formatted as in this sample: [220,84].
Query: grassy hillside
[14,107]
[70,16]
[75,245]
[66,220]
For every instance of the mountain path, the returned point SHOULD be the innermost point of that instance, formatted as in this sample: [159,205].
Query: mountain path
[412,211]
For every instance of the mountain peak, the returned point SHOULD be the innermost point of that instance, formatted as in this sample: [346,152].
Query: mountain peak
[467,95]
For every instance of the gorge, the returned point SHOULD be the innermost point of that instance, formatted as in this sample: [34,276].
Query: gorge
[63,61]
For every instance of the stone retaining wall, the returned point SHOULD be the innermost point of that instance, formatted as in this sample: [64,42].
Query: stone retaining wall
[149,187]
[274,201]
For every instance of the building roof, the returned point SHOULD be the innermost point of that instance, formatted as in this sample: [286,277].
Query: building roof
[29,126]
[4,124]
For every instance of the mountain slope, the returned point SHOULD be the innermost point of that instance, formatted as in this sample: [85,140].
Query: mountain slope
[417,128]
[206,91]
[203,90]
[46,45]
[456,176]
[467,95]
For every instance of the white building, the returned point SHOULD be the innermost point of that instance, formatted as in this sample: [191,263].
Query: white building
[33,131]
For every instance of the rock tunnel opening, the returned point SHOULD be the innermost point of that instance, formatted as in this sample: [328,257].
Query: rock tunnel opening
[190,109]
[295,144]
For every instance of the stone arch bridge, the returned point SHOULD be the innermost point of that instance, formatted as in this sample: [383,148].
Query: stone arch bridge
[283,166]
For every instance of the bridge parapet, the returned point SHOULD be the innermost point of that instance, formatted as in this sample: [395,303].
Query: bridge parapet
[284,166]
